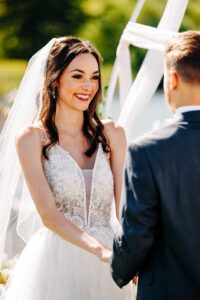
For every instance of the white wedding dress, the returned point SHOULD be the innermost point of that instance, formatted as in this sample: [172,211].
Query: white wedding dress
[51,268]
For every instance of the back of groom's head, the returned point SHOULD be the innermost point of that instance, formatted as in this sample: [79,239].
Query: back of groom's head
[182,53]
[182,70]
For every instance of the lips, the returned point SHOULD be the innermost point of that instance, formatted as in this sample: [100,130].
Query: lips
[82,97]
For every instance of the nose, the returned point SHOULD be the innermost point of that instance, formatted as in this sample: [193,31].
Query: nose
[87,85]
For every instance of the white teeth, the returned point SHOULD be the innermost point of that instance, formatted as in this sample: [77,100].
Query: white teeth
[83,96]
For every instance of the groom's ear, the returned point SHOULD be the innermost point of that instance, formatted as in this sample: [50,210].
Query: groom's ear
[174,80]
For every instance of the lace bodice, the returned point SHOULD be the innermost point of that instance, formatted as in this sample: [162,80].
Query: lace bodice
[68,185]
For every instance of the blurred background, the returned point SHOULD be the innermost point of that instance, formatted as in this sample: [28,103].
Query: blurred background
[25,26]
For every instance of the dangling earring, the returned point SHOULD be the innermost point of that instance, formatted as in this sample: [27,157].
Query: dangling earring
[54,94]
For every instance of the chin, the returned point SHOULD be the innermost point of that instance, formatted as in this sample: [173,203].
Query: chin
[82,108]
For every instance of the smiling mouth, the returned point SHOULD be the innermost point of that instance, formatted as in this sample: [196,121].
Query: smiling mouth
[82,97]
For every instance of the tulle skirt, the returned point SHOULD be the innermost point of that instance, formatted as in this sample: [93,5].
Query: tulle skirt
[50,268]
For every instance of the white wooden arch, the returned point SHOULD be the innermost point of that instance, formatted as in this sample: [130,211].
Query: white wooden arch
[134,96]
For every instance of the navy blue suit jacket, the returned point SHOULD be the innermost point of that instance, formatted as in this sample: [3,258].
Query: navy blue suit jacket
[161,215]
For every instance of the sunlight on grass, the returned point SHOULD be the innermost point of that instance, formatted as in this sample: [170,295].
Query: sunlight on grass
[11,72]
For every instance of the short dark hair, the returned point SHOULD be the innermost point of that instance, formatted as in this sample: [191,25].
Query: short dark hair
[182,53]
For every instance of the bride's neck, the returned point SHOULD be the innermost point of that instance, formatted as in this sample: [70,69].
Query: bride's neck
[69,121]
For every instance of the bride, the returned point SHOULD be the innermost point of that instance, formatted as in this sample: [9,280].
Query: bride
[73,164]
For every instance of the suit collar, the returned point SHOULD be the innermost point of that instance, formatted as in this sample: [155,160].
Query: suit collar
[189,116]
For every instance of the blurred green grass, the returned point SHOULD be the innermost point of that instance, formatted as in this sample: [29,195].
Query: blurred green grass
[11,72]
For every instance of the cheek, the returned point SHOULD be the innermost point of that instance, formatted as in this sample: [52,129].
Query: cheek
[66,87]
[95,87]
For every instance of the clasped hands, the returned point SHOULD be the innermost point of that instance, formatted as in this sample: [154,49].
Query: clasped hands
[105,255]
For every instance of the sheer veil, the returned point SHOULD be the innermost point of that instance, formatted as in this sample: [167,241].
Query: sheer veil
[14,195]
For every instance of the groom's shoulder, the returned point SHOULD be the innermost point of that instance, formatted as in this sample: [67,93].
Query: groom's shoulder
[156,138]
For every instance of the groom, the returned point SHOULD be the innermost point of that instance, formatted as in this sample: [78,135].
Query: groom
[161,217]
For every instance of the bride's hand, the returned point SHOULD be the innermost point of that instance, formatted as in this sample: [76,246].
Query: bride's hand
[135,279]
[104,254]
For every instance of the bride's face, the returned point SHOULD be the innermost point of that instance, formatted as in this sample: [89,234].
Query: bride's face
[79,82]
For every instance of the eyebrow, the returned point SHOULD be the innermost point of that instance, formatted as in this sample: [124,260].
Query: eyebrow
[81,71]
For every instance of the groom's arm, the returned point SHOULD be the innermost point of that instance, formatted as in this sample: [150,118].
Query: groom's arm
[139,218]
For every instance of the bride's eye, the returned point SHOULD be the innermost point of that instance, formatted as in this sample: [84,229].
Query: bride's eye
[96,77]
[77,76]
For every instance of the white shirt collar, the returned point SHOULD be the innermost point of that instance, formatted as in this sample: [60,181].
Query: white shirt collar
[187,108]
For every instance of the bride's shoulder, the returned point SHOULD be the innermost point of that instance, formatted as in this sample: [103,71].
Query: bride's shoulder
[114,131]
[33,135]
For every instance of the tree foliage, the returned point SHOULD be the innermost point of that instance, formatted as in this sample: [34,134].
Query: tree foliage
[25,26]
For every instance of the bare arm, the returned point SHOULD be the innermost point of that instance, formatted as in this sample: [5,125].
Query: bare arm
[29,148]
[118,144]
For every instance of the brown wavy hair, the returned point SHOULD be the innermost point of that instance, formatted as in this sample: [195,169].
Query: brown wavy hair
[62,53]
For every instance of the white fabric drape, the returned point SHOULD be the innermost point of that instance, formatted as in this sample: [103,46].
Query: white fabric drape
[115,70]
[136,97]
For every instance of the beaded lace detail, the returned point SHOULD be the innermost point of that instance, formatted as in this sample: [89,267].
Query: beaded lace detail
[67,183]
